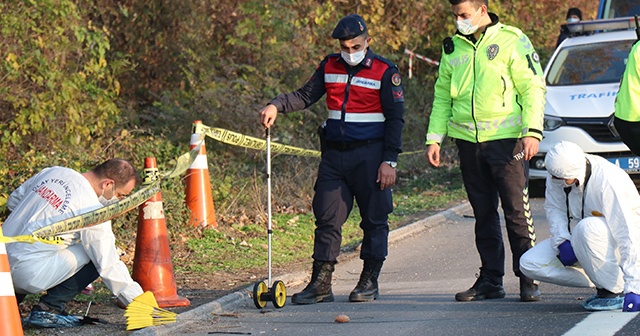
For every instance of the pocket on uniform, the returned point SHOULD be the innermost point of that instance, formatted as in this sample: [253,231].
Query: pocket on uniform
[504,151]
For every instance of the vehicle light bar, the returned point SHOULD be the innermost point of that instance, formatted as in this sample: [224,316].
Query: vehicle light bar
[600,25]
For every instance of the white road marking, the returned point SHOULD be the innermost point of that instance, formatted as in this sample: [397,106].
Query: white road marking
[601,323]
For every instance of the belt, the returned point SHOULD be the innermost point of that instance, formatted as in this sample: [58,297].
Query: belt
[346,146]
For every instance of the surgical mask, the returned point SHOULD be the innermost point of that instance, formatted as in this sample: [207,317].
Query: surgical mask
[355,58]
[110,201]
[572,20]
[561,182]
[465,26]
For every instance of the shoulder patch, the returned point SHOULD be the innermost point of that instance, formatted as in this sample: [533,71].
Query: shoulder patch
[396,80]
[535,57]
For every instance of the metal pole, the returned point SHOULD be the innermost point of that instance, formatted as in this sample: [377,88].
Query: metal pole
[269,230]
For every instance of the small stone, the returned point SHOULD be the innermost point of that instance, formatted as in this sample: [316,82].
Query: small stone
[342,318]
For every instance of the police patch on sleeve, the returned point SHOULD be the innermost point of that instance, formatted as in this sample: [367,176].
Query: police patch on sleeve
[396,80]
[535,57]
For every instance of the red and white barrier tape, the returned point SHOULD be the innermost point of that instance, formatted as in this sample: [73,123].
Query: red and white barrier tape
[424,58]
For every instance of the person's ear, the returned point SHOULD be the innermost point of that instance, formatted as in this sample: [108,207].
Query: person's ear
[106,183]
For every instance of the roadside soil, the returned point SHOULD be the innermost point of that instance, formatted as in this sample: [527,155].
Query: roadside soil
[200,288]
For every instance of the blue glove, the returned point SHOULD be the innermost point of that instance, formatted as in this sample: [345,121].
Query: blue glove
[567,256]
[631,302]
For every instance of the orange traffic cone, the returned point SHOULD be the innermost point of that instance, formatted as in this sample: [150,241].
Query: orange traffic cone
[198,185]
[10,323]
[152,267]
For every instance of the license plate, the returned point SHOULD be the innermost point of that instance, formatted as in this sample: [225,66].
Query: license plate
[629,164]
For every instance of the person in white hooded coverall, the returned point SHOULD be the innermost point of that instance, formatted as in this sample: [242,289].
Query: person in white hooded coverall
[596,242]
[58,193]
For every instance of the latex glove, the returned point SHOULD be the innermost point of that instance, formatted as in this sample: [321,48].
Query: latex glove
[567,256]
[631,302]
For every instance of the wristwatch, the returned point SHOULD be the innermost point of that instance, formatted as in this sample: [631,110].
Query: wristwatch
[393,164]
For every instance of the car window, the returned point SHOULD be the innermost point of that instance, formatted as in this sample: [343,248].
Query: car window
[595,63]
[620,8]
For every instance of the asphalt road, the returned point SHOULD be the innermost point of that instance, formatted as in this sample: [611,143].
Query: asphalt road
[428,263]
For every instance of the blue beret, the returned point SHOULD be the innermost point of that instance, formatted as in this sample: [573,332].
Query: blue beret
[349,27]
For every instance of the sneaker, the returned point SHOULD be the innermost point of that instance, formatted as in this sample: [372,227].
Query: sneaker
[46,319]
[481,290]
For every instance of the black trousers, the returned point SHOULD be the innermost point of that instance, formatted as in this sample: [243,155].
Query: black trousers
[496,171]
[59,295]
[343,176]
[630,134]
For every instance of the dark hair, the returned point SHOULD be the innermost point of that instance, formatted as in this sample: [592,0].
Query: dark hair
[477,2]
[119,170]
[574,11]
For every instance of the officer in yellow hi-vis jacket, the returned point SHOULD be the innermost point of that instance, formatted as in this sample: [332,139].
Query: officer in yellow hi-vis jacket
[490,97]
[627,116]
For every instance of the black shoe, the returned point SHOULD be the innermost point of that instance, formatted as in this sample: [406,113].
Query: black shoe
[319,287]
[481,290]
[529,291]
[367,288]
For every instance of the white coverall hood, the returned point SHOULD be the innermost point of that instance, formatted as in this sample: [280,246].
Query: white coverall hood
[566,160]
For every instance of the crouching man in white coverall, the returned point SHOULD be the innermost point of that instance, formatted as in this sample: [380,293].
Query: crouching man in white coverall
[596,241]
[58,193]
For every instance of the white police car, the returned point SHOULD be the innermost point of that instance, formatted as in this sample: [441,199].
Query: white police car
[583,78]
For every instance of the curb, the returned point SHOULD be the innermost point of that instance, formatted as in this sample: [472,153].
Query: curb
[243,297]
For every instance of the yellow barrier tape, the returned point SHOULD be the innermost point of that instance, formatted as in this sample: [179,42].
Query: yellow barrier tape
[246,141]
[32,239]
[238,139]
[151,187]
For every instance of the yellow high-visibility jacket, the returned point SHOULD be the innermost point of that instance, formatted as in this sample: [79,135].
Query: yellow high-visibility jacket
[628,98]
[489,90]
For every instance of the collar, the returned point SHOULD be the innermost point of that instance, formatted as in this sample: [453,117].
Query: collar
[494,21]
[367,62]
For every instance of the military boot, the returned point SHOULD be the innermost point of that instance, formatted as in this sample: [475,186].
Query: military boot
[367,288]
[319,287]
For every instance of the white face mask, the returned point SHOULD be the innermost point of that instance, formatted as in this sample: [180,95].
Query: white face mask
[355,58]
[110,201]
[466,26]
[572,20]
[561,182]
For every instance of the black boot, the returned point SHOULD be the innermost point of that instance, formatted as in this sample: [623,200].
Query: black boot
[529,291]
[367,288]
[319,287]
[482,289]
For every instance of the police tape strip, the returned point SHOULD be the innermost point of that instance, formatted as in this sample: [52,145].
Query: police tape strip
[48,233]
[152,186]
[424,58]
[246,141]
[241,140]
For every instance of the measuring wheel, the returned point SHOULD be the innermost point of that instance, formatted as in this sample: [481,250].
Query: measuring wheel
[278,294]
[259,291]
